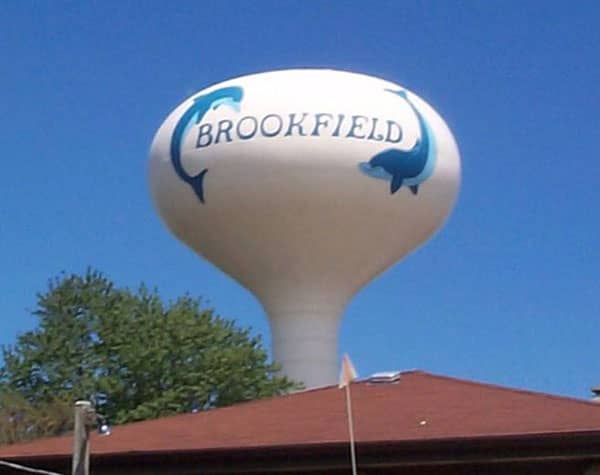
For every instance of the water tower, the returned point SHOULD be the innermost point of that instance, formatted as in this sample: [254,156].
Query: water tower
[303,185]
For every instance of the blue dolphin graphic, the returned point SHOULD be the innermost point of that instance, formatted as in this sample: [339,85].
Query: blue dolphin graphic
[405,167]
[231,96]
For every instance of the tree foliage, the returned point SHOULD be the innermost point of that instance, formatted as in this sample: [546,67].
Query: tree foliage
[20,420]
[135,356]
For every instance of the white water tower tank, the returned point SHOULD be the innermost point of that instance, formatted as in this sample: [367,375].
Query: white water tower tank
[303,185]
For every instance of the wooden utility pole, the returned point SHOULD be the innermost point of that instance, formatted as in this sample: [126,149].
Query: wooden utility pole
[81,438]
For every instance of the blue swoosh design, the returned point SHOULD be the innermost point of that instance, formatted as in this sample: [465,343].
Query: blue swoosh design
[405,167]
[230,96]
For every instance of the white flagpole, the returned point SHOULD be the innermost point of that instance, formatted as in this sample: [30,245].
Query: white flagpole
[350,428]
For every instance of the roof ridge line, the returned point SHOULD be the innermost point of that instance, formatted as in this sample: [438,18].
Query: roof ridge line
[510,389]
[236,405]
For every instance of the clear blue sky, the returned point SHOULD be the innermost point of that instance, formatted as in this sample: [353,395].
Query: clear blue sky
[508,292]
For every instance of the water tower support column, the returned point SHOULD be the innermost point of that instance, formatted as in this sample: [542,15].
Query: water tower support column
[304,340]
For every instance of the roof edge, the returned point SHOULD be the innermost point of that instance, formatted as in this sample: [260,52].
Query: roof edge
[554,445]
[530,392]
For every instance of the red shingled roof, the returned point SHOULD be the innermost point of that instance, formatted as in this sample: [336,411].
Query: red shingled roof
[419,407]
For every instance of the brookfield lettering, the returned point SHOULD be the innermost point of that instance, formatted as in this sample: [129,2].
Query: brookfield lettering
[297,124]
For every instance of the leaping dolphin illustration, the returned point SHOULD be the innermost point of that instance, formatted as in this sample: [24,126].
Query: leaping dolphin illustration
[231,96]
[405,167]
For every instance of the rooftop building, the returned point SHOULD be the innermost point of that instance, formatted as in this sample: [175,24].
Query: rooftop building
[417,423]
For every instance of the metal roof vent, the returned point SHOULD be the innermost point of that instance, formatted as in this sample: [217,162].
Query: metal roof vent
[385,377]
[596,392]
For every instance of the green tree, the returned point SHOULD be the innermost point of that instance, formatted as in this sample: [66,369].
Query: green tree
[135,356]
[20,420]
